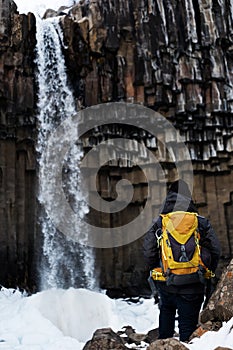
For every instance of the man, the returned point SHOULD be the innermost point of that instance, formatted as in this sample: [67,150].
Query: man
[185,299]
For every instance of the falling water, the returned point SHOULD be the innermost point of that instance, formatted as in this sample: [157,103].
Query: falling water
[64,263]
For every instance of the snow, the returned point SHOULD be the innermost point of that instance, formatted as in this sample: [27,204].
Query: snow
[65,319]
[211,340]
[39,7]
[58,319]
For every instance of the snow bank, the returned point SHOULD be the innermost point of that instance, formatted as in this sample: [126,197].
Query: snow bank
[23,327]
[211,340]
[76,312]
[58,319]
[65,319]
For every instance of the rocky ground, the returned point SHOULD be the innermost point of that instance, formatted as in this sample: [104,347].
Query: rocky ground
[218,310]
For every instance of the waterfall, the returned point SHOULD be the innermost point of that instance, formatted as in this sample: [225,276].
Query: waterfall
[64,263]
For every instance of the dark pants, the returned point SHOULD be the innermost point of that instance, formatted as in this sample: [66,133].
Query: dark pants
[188,307]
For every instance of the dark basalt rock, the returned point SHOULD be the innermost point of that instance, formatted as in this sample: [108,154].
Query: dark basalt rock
[174,59]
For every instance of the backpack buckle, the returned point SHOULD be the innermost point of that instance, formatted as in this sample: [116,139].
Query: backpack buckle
[157,274]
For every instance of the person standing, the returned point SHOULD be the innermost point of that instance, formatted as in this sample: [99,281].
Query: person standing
[185,299]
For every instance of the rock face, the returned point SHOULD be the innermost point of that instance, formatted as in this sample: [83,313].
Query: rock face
[219,307]
[17,152]
[174,57]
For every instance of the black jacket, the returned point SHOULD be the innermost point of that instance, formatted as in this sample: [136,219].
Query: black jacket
[208,239]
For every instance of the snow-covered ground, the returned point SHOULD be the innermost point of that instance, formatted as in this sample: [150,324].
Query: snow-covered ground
[59,319]
[65,319]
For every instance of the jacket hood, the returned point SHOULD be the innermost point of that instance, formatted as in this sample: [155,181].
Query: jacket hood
[178,202]
[181,187]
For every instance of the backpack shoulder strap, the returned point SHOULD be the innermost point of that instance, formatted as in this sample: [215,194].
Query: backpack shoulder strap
[158,232]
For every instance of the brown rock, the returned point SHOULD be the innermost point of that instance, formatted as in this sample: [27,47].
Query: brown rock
[84,26]
[167,344]
[137,338]
[105,339]
[220,305]
[205,327]
[198,332]
[152,335]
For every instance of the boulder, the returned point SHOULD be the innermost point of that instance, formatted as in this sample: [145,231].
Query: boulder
[105,339]
[152,335]
[207,326]
[220,306]
[167,344]
[130,336]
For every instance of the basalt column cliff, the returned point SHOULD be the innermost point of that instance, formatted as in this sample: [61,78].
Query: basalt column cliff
[17,152]
[175,57]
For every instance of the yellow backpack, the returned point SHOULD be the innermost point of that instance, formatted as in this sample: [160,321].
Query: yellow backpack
[180,251]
